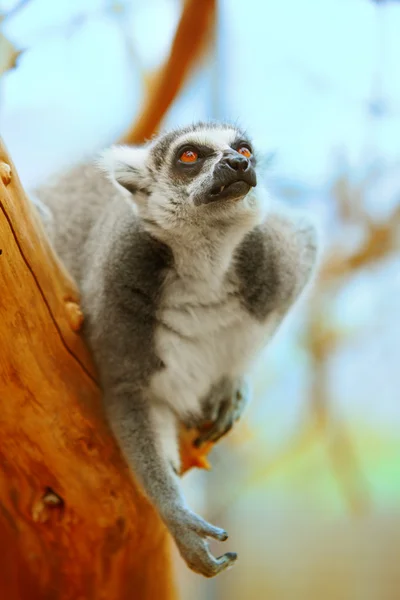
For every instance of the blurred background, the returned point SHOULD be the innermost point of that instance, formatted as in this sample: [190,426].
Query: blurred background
[308,485]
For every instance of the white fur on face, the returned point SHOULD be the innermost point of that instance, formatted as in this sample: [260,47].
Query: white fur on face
[170,204]
[218,139]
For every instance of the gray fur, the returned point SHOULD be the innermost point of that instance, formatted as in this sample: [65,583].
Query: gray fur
[222,407]
[270,279]
[181,286]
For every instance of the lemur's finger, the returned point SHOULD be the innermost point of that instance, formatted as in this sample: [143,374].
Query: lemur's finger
[216,533]
[220,428]
[205,529]
[205,563]
[221,431]
[226,560]
[229,411]
[214,566]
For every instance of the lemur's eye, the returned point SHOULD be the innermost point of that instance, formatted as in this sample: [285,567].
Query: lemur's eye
[189,156]
[245,151]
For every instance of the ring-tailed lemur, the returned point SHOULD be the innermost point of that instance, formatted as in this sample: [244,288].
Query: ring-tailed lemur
[183,280]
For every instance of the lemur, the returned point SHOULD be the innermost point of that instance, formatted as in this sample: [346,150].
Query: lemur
[184,276]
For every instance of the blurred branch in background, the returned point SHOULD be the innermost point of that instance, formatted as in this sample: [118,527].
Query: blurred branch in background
[192,37]
[379,241]
[8,55]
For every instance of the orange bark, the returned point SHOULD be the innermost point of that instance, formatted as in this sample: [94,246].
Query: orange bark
[73,522]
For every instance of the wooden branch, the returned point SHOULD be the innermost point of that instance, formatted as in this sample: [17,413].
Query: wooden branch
[73,523]
[9,55]
[189,42]
[380,242]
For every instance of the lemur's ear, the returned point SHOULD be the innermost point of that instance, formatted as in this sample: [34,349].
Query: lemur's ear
[127,167]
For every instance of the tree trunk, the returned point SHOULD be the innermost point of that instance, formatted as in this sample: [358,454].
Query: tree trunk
[73,522]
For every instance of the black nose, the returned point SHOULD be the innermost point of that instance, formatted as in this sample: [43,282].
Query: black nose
[236,162]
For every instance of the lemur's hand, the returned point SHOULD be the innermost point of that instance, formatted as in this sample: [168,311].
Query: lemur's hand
[223,407]
[148,447]
[190,533]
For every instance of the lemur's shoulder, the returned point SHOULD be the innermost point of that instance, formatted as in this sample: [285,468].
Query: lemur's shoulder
[275,261]
[122,283]
[133,258]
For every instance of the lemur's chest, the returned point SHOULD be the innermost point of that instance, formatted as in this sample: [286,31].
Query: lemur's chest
[204,334]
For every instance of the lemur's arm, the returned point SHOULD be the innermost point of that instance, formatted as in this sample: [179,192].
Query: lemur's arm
[120,294]
[147,434]
[274,264]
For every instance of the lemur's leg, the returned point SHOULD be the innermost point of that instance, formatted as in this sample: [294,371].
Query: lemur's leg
[147,435]
[223,406]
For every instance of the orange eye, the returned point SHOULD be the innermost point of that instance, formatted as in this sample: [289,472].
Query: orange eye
[245,151]
[189,156]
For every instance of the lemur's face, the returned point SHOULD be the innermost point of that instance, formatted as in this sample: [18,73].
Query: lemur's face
[203,171]
[208,164]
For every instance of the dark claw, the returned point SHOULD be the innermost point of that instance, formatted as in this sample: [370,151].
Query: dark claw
[223,537]
[225,562]
[228,556]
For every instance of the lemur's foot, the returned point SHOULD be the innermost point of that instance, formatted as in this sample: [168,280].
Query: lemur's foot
[191,532]
[223,408]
